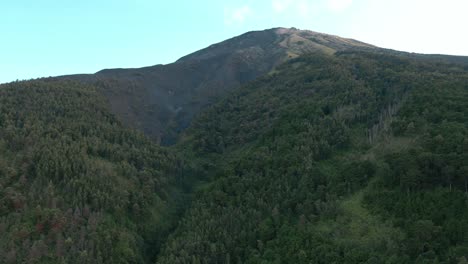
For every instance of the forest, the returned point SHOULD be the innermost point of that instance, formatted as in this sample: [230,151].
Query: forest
[355,157]
[75,185]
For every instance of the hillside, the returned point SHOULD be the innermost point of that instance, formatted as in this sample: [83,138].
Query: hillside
[162,100]
[75,185]
[355,157]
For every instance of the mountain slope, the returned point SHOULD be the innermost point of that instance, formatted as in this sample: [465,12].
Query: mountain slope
[355,157]
[75,185]
[162,100]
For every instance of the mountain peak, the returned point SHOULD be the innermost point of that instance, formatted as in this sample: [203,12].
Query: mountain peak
[290,42]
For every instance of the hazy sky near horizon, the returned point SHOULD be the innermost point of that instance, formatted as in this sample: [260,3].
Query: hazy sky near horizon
[56,37]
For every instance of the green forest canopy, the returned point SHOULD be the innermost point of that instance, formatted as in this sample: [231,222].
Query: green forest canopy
[357,157]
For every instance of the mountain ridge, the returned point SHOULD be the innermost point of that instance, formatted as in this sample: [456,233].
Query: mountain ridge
[155,100]
[162,104]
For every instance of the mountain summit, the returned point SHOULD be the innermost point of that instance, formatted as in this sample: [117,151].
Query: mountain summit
[159,102]
[289,42]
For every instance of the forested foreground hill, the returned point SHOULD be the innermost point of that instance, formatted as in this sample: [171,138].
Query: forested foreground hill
[75,185]
[348,158]
[338,157]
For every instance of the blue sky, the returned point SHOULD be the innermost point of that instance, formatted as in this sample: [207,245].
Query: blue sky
[43,38]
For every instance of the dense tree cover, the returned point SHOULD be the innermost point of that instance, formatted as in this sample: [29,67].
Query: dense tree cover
[353,158]
[424,187]
[356,157]
[75,185]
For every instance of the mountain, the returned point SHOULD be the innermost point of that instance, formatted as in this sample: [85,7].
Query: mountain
[159,102]
[355,157]
[290,146]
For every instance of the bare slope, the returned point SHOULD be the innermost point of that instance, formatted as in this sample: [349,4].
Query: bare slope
[161,100]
